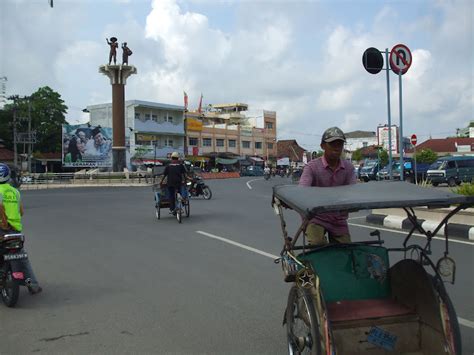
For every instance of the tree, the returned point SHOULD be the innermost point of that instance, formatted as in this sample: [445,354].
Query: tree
[383,156]
[357,155]
[47,111]
[426,156]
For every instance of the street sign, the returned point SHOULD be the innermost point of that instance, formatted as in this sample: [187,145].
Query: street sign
[413,139]
[372,60]
[400,59]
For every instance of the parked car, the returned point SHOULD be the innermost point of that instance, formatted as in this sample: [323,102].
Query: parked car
[252,170]
[408,171]
[451,170]
[369,171]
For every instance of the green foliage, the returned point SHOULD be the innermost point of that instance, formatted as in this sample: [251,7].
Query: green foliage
[47,111]
[357,155]
[465,189]
[317,154]
[383,156]
[426,156]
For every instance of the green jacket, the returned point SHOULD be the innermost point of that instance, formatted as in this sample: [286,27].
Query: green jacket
[11,201]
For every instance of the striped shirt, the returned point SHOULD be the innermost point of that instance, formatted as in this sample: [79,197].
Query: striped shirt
[318,173]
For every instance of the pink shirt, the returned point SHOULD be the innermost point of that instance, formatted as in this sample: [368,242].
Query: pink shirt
[318,173]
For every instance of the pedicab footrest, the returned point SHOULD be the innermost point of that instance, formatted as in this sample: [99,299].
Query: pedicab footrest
[365,309]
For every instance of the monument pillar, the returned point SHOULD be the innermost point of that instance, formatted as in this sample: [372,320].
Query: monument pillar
[118,75]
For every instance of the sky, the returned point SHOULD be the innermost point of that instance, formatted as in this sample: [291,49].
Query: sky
[302,59]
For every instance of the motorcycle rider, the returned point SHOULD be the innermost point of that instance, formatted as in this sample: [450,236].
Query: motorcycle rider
[11,211]
[266,171]
[176,174]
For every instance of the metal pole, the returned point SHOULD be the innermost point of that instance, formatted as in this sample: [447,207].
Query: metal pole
[15,150]
[29,136]
[414,159]
[389,117]
[401,124]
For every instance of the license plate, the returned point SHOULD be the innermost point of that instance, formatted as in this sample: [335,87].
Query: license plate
[19,256]
[381,338]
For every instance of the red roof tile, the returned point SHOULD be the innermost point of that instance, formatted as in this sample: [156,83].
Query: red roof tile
[445,145]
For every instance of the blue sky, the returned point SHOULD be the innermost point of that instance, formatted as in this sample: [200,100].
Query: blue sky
[301,59]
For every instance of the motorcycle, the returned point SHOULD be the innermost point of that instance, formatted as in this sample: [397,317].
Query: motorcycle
[11,274]
[197,187]
[266,176]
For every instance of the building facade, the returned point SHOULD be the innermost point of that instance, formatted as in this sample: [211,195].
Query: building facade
[155,130]
[360,139]
[225,131]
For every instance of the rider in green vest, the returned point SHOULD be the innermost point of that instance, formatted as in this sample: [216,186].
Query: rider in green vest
[11,211]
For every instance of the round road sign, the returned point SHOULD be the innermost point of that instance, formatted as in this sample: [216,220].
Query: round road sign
[413,139]
[372,60]
[400,59]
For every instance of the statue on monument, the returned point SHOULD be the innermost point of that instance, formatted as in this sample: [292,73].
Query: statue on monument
[113,49]
[126,53]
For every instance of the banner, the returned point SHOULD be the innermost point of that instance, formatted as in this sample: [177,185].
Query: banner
[193,124]
[382,137]
[85,146]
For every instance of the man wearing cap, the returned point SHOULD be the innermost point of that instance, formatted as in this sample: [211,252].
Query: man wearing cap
[329,170]
[175,173]
[98,145]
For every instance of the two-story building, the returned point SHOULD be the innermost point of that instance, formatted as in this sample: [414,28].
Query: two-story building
[154,130]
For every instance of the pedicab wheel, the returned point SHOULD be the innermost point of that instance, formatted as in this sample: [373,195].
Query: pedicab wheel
[157,212]
[301,323]
[179,213]
[449,318]
[10,289]
[187,208]
[206,193]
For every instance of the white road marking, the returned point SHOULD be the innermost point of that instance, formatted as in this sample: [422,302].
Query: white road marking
[359,217]
[243,246]
[248,182]
[405,233]
[462,321]
[465,322]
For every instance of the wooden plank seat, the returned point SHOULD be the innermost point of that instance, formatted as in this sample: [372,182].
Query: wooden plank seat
[352,310]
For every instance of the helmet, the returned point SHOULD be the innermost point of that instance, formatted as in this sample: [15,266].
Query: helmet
[175,155]
[4,173]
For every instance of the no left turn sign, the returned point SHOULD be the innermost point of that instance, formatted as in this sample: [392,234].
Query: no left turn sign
[400,59]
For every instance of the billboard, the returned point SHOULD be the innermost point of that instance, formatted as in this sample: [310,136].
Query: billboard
[382,137]
[86,146]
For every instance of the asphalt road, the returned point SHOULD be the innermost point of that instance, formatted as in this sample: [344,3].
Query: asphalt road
[117,280]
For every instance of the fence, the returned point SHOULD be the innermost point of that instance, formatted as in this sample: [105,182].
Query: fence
[50,180]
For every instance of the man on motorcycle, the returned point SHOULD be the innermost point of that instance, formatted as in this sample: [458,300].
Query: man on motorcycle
[176,176]
[329,170]
[11,211]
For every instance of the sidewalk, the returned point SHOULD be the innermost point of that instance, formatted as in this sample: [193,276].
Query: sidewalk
[459,226]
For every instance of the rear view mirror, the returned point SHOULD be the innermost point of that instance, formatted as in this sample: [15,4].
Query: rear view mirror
[446,267]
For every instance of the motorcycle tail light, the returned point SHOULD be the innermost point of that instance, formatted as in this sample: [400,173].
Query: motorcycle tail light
[18,275]
[13,244]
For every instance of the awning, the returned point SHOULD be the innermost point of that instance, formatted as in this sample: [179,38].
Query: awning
[194,158]
[256,159]
[224,161]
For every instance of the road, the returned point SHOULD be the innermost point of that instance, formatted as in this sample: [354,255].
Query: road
[117,280]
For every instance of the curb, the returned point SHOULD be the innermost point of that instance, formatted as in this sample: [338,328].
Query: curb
[463,231]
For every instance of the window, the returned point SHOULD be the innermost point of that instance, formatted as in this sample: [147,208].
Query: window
[154,118]
[168,142]
[269,125]
[137,115]
[232,143]
[147,116]
[258,145]
[219,142]
[169,119]
[451,165]
[245,144]
[207,142]
[270,145]
[193,141]
[364,144]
